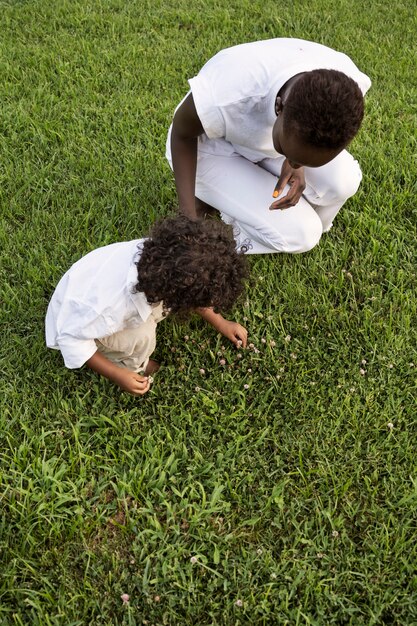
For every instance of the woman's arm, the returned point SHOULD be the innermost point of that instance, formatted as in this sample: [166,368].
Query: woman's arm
[186,128]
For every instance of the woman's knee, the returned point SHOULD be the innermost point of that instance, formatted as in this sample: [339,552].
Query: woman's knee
[301,237]
[345,182]
[308,235]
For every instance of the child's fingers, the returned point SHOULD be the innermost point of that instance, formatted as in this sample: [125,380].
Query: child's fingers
[141,384]
[140,378]
[141,391]
[241,338]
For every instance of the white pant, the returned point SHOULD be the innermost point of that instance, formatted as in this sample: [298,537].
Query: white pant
[132,347]
[242,192]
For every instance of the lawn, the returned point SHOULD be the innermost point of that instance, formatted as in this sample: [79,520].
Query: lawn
[279,488]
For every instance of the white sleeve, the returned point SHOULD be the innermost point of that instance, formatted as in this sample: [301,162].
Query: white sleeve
[77,326]
[208,111]
[76,352]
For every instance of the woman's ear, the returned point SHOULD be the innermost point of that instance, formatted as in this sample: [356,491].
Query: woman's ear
[278,105]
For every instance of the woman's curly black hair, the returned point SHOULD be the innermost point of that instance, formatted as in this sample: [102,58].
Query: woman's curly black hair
[325,108]
[189,264]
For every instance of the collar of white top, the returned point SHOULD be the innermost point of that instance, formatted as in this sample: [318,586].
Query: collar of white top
[138,297]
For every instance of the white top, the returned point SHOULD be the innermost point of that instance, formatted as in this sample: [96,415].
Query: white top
[235,91]
[94,299]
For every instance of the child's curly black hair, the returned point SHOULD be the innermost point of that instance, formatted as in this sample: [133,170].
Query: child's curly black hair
[190,264]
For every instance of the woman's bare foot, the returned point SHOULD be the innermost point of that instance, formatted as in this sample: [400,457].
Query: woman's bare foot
[152,367]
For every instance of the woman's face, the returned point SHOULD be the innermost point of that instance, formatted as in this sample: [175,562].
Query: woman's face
[298,153]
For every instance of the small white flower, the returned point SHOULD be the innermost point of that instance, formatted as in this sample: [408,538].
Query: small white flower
[245,386]
[362,372]
[125,598]
[239,603]
[263,340]
[273,576]
[249,370]
[222,362]
[186,337]
[193,560]
[272,343]
[363,362]
[259,551]
[293,355]
[335,534]
[391,365]
[202,371]
[197,389]
[390,425]
[287,338]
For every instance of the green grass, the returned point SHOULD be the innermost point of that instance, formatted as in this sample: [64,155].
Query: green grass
[294,495]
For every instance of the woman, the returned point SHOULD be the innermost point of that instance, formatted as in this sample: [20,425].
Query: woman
[281,109]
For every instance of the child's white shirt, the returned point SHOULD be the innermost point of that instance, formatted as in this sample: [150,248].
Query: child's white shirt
[95,298]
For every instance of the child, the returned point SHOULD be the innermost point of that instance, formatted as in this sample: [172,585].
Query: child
[104,310]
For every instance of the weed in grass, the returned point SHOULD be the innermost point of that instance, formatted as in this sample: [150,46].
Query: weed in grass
[272,485]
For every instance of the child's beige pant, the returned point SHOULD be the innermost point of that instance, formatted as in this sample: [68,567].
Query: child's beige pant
[132,347]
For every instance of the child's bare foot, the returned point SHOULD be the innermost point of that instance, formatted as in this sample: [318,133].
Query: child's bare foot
[152,367]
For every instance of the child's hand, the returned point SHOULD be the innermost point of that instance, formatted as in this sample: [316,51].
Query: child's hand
[232,330]
[133,383]
[235,332]
[129,381]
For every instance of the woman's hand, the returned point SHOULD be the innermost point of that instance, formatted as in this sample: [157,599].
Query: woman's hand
[294,177]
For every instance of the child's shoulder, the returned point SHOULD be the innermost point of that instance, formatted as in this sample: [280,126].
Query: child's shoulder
[112,258]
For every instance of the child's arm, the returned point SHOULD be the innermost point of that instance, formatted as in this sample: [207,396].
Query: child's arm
[131,382]
[232,330]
